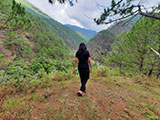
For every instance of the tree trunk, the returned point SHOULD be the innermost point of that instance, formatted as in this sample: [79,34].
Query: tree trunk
[153,65]
[150,72]
[120,68]
[141,64]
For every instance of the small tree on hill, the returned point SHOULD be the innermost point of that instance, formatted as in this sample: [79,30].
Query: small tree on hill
[13,17]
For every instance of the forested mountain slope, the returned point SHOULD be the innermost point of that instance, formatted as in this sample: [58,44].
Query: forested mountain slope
[100,45]
[27,44]
[69,36]
[29,49]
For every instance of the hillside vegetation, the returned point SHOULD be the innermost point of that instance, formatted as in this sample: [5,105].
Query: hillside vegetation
[32,51]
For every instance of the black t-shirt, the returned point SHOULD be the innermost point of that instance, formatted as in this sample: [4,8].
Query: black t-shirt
[83,59]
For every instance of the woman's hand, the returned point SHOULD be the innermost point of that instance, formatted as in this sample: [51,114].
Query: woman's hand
[75,63]
[91,70]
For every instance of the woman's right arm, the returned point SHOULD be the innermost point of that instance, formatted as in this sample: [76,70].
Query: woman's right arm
[90,63]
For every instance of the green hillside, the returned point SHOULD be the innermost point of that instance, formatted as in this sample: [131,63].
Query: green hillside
[100,45]
[32,50]
[70,37]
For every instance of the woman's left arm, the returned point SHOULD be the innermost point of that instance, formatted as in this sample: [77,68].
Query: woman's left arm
[75,63]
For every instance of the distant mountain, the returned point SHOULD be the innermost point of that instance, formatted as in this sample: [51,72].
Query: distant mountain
[69,36]
[87,33]
[100,45]
[124,25]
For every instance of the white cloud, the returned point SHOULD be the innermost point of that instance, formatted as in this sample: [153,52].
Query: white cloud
[81,14]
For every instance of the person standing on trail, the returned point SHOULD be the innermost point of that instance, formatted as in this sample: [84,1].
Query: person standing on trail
[83,58]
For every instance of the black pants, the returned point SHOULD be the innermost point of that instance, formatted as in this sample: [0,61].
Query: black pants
[84,75]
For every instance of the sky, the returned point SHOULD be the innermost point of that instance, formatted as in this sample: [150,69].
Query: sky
[81,14]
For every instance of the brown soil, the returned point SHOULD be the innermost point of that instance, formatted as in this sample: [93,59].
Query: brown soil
[7,53]
[103,101]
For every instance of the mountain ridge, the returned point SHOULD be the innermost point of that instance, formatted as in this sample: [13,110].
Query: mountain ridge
[69,36]
[124,25]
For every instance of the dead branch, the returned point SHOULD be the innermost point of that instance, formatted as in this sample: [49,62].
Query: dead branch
[156,52]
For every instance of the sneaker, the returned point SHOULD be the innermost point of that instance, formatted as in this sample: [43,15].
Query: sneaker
[79,94]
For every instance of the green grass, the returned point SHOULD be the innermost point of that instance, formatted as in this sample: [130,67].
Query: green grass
[150,116]
[8,105]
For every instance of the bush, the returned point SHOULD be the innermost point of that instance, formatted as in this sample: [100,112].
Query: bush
[104,71]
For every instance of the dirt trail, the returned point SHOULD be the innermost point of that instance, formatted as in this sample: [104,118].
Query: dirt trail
[104,100]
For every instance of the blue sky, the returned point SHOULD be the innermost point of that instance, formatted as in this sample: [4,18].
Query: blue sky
[81,14]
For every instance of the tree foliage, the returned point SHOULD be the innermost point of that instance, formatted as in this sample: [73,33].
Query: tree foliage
[123,9]
[132,51]
[71,2]
[12,17]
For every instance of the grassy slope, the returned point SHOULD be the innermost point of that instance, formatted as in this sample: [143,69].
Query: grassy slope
[70,37]
[87,33]
[109,97]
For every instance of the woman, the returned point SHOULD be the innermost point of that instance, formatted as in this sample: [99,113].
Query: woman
[83,56]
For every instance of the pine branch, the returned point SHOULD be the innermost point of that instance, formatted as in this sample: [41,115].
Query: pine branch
[121,18]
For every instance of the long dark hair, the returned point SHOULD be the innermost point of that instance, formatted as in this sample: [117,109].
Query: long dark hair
[82,47]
